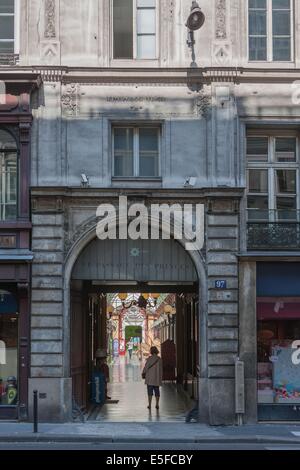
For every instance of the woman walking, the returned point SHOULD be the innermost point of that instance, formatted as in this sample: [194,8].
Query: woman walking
[130,348]
[152,374]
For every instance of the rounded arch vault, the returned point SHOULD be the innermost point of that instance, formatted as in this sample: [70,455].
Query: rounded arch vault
[138,260]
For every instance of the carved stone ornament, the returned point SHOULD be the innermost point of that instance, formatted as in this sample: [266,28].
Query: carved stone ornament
[50,32]
[203,104]
[222,53]
[221,19]
[84,228]
[69,100]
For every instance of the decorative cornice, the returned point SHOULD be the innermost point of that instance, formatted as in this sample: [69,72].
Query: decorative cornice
[221,32]
[52,75]
[101,194]
[50,31]
[149,76]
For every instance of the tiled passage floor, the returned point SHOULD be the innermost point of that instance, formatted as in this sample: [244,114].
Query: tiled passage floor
[127,386]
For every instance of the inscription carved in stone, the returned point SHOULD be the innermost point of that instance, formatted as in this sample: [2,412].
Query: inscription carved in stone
[135,99]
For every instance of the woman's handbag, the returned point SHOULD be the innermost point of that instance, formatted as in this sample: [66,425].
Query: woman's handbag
[144,373]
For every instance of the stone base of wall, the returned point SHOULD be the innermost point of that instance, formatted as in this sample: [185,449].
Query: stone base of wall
[216,402]
[56,405]
[250,401]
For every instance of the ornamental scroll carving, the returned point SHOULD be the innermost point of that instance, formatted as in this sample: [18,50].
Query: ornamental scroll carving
[69,100]
[83,229]
[221,32]
[50,32]
[203,104]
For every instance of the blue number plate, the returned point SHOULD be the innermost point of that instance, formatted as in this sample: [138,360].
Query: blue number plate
[220,284]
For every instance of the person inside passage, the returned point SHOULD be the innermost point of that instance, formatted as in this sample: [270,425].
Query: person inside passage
[130,348]
[152,373]
[101,366]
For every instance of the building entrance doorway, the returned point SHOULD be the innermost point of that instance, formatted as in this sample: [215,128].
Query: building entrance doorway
[121,328]
[122,318]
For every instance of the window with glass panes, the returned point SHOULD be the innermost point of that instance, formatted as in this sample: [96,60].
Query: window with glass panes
[272,176]
[7,26]
[134,29]
[8,176]
[136,151]
[270,30]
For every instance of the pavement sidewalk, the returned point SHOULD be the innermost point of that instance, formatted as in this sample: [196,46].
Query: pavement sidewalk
[149,433]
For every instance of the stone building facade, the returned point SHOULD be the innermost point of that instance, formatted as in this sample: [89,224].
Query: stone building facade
[203,110]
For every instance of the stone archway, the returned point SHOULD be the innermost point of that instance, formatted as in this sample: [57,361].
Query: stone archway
[197,261]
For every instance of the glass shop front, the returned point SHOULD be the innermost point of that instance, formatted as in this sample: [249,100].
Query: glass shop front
[278,341]
[8,350]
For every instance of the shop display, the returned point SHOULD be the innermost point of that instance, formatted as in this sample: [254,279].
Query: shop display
[265,383]
[278,378]
[286,375]
[8,360]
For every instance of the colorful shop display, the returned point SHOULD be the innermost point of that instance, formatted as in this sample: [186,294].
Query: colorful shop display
[286,374]
[8,360]
[278,380]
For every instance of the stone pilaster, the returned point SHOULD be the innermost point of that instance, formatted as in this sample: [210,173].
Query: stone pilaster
[222,329]
[47,295]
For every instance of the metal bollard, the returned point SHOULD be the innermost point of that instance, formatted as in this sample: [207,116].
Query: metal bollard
[35,411]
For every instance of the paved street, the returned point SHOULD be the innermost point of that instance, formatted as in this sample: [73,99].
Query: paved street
[175,448]
[142,435]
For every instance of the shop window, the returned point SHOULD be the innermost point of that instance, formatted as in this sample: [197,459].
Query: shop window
[136,151]
[8,176]
[134,29]
[272,177]
[8,350]
[270,30]
[278,330]
[278,335]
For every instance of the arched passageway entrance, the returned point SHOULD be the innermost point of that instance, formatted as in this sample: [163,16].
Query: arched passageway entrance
[116,287]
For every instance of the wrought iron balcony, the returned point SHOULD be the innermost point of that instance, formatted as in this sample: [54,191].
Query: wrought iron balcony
[273,230]
[9,59]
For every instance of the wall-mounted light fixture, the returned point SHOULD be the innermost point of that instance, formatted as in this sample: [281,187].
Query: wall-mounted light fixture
[194,22]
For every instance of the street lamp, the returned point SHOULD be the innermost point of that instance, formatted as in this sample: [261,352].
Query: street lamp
[194,22]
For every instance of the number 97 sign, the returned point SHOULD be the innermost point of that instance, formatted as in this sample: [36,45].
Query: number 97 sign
[220,284]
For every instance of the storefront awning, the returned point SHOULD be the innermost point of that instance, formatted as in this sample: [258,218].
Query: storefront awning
[16,255]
